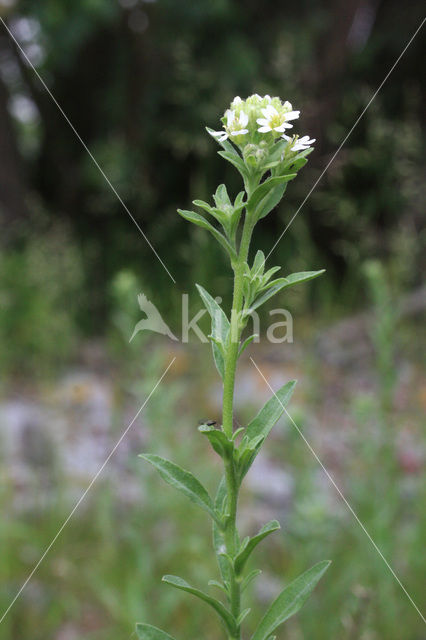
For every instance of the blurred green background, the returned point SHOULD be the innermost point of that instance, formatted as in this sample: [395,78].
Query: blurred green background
[139,81]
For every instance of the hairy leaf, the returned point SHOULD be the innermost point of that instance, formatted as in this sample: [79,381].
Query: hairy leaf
[182,480]
[303,276]
[220,328]
[148,632]
[236,160]
[218,606]
[244,555]
[271,290]
[249,579]
[218,439]
[195,218]
[260,426]
[270,201]
[265,187]
[270,413]
[246,343]
[289,601]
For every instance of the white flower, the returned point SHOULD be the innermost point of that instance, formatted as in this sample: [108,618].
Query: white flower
[275,120]
[236,125]
[299,144]
[219,135]
[237,100]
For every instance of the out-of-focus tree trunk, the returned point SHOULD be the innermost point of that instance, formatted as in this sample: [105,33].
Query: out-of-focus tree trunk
[13,209]
[348,20]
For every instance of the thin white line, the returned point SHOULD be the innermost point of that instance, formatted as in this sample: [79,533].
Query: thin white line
[64,524]
[350,132]
[342,497]
[102,172]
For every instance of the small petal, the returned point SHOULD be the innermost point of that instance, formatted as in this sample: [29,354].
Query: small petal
[269,111]
[243,119]
[237,100]
[230,116]
[292,115]
[282,127]
[241,132]
[263,121]
[288,106]
[264,129]
[220,135]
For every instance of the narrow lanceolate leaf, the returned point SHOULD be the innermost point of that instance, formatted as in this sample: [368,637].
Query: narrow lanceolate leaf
[270,201]
[272,289]
[244,555]
[262,424]
[265,187]
[236,160]
[247,453]
[302,276]
[246,343]
[220,328]
[218,439]
[148,632]
[249,579]
[289,601]
[218,606]
[195,218]
[182,480]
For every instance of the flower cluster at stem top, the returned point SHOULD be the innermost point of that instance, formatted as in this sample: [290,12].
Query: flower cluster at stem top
[260,120]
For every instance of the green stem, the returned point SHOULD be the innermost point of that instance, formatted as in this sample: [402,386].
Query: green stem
[235,331]
[231,535]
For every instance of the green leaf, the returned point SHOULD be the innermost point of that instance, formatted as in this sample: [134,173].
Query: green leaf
[265,187]
[247,342]
[247,455]
[271,289]
[183,481]
[303,276]
[270,201]
[218,439]
[244,555]
[219,585]
[249,579]
[197,219]
[277,150]
[218,606]
[221,197]
[258,263]
[235,160]
[242,616]
[289,601]
[148,632]
[220,328]
[261,425]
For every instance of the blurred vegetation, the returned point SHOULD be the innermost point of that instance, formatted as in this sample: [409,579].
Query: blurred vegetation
[139,81]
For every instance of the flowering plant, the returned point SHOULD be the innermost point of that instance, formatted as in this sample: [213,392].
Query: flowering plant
[253,139]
